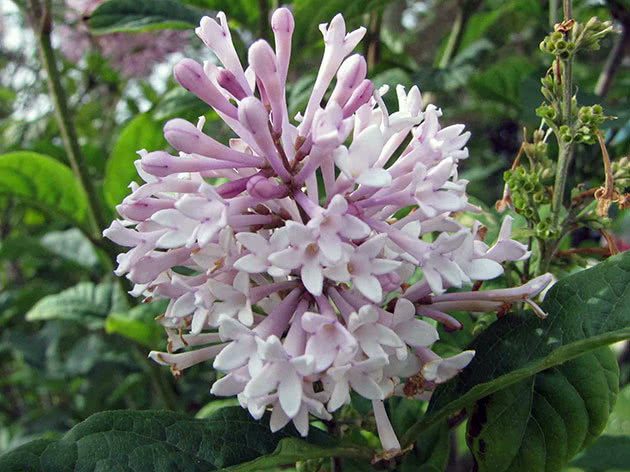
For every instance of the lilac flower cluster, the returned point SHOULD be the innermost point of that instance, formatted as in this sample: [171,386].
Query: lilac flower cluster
[299,263]
[134,55]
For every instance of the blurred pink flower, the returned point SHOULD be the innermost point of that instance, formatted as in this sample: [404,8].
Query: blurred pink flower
[134,55]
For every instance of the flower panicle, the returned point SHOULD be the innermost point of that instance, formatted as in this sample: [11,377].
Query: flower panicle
[298,266]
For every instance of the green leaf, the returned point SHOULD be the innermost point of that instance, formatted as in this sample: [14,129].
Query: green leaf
[215,405]
[44,183]
[501,81]
[73,246]
[124,16]
[138,324]
[85,303]
[291,450]
[608,453]
[179,103]
[540,423]
[587,310]
[140,133]
[162,441]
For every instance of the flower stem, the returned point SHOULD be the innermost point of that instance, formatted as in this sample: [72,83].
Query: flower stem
[41,21]
[564,155]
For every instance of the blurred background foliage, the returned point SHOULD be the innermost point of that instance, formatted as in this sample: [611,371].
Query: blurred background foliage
[71,343]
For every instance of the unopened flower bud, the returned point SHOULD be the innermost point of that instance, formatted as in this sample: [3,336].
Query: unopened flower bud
[263,188]
[350,75]
[263,61]
[360,96]
[282,24]
[190,75]
[227,80]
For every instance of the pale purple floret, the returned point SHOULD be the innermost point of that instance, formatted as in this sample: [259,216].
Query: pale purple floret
[300,262]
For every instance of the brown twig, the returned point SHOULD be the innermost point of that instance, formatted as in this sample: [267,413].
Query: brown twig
[601,251]
[605,195]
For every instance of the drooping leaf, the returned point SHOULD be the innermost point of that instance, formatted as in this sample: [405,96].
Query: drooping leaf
[73,246]
[540,423]
[587,310]
[85,303]
[140,133]
[44,183]
[162,441]
[124,16]
[138,324]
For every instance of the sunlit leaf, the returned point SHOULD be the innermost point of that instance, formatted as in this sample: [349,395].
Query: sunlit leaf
[141,133]
[44,183]
[85,303]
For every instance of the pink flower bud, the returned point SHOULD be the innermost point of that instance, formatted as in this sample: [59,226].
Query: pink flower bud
[218,38]
[161,164]
[360,96]
[141,210]
[263,188]
[263,61]
[390,282]
[190,75]
[282,24]
[186,137]
[227,80]
[350,75]
[254,117]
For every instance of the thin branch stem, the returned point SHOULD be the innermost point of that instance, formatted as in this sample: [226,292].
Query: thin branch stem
[41,21]
[553,12]
[453,40]
[263,19]
[612,62]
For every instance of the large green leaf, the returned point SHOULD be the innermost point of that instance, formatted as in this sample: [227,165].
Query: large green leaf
[140,133]
[43,182]
[587,310]
[540,423]
[161,441]
[85,303]
[123,16]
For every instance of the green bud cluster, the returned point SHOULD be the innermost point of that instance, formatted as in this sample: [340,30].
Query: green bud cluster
[527,191]
[551,89]
[588,34]
[556,44]
[587,124]
[544,229]
[568,38]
